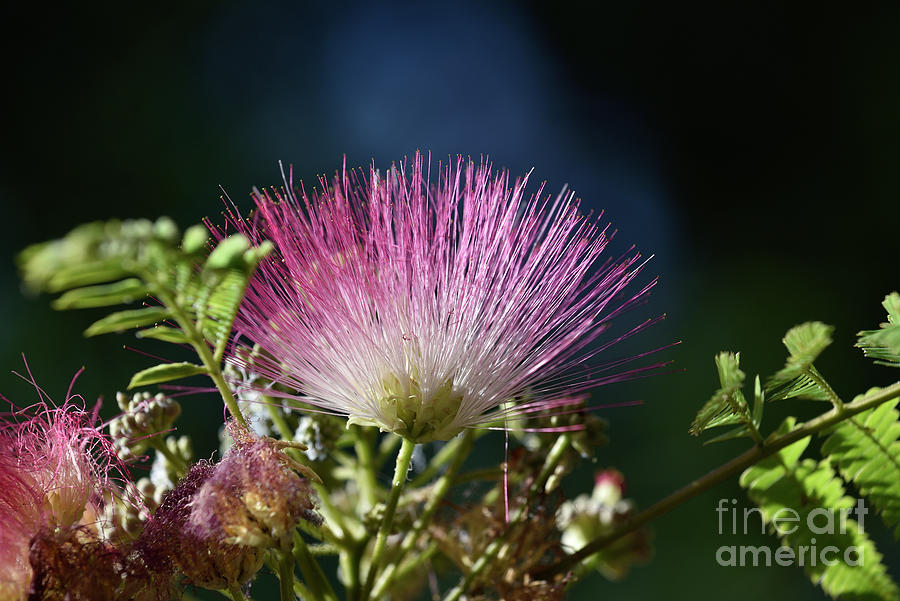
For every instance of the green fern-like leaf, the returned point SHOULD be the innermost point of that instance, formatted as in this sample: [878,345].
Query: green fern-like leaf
[119,262]
[126,320]
[98,253]
[221,308]
[883,344]
[102,295]
[785,487]
[165,372]
[728,406]
[799,377]
[866,450]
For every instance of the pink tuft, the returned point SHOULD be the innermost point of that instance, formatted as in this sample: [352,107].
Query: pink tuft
[56,469]
[393,298]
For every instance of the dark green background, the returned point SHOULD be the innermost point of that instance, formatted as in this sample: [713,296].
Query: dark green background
[753,148]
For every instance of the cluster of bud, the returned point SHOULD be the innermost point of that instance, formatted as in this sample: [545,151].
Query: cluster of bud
[589,516]
[143,420]
[143,417]
[123,519]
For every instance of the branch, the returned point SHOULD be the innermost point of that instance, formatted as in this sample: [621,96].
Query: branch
[723,472]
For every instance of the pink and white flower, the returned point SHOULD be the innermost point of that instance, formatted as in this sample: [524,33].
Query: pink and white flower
[426,307]
[55,468]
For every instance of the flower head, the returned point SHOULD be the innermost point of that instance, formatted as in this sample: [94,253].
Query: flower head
[217,523]
[427,307]
[56,467]
[169,542]
[255,497]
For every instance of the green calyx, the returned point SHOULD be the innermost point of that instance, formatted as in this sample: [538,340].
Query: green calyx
[405,411]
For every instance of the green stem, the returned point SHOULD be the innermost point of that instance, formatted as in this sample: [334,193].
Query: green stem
[215,373]
[557,451]
[440,490]
[322,549]
[350,559]
[364,443]
[301,591]
[235,591]
[343,526]
[723,472]
[197,341]
[277,418]
[552,460]
[488,473]
[404,457]
[316,581]
[286,574]
[416,561]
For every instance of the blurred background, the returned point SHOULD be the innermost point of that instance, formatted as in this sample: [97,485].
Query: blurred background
[752,149]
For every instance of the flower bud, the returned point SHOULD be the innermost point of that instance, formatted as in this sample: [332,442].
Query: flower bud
[143,417]
[588,517]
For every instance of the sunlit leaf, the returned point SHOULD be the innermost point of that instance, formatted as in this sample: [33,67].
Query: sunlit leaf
[799,378]
[866,450]
[102,295]
[125,320]
[165,372]
[786,486]
[883,344]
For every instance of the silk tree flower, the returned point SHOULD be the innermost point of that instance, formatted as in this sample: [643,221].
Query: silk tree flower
[426,307]
[56,467]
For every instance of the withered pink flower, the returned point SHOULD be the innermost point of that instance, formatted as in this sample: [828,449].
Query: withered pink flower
[428,306]
[217,523]
[170,542]
[55,469]
[254,498]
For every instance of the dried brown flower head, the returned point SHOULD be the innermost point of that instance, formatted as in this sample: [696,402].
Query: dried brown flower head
[216,524]
[255,496]
[72,564]
[168,543]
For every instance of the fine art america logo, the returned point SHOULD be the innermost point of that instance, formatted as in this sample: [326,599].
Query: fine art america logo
[834,527]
